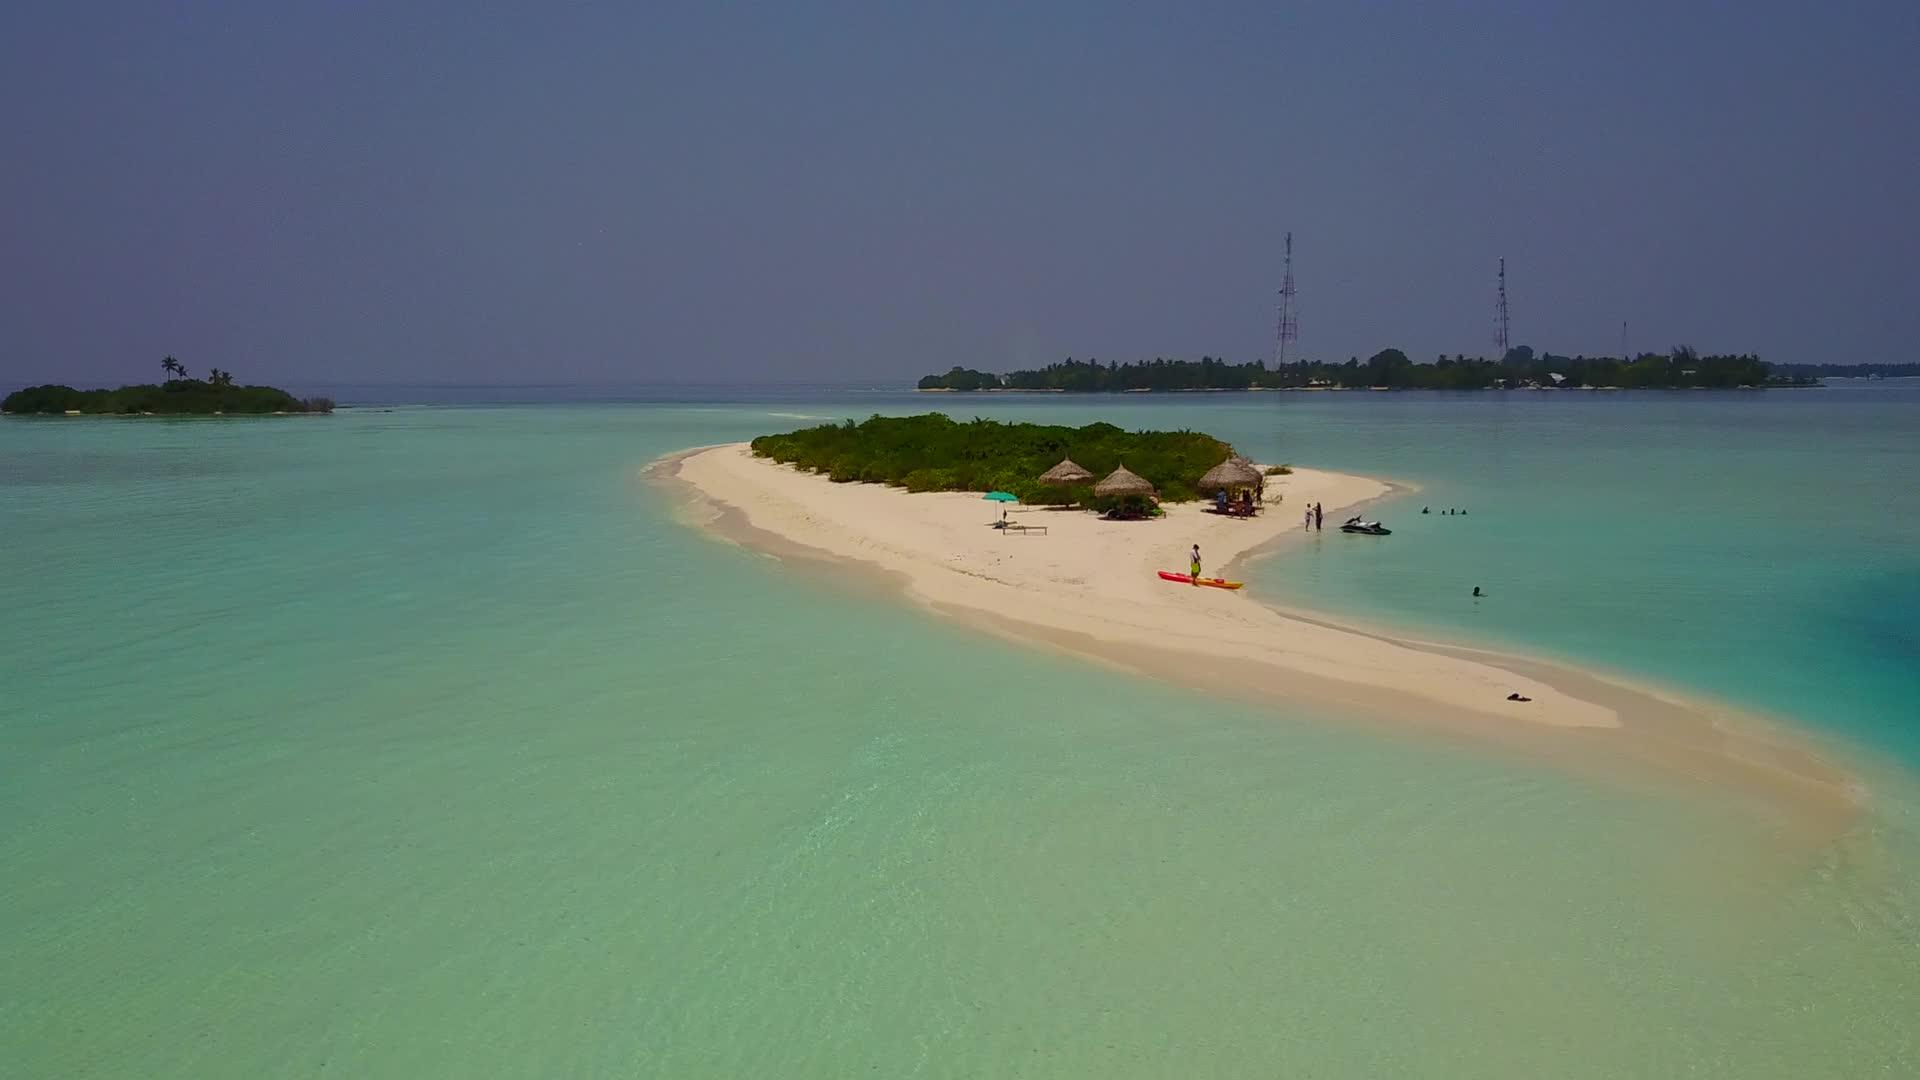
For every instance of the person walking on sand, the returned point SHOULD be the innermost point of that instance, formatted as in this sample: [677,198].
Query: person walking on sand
[1195,565]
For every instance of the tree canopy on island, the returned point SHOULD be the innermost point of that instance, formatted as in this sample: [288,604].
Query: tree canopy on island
[1681,368]
[176,397]
[934,452]
[961,379]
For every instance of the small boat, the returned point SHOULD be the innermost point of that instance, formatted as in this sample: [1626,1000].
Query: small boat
[1366,528]
[1212,582]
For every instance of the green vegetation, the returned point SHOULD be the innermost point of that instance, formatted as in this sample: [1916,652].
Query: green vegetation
[179,396]
[1279,470]
[960,379]
[934,452]
[1681,368]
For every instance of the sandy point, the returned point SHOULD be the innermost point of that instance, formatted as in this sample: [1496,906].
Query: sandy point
[1090,587]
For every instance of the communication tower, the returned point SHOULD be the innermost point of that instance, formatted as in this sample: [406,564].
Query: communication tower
[1500,341]
[1289,330]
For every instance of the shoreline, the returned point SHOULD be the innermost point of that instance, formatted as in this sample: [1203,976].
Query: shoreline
[72,414]
[1093,595]
[1369,389]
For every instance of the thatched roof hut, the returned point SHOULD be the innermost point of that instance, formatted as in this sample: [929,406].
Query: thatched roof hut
[1229,474]
[1066,473]
[1121,481]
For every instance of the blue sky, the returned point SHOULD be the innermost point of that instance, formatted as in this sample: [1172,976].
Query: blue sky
[431,192]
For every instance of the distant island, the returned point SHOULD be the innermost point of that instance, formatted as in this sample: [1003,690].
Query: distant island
[1680,369]
[934,452]
[1849,371]
[216,395]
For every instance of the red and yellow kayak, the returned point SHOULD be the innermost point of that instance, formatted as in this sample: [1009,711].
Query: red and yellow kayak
[1214,582]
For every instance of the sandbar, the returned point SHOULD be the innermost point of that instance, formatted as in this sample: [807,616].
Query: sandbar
[1089,587]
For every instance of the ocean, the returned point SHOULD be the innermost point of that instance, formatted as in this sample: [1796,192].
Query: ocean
[427,739]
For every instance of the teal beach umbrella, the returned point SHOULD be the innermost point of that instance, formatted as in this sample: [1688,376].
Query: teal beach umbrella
[1002,496]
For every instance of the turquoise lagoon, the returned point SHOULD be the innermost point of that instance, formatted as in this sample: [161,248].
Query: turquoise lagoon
[426,740]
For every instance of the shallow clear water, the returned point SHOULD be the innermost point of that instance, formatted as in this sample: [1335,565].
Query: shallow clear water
[427,742]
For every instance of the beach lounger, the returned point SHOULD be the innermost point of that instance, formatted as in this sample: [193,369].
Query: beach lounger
[1015,527]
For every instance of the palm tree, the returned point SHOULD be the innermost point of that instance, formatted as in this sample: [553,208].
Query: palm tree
[170,365]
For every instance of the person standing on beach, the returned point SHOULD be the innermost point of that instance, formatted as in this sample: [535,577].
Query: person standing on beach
[1195,565]
[1308,522]
[1319,512]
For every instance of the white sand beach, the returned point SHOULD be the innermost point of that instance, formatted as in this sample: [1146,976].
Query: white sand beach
[1090,587]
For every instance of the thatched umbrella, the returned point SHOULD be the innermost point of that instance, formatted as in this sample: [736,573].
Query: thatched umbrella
[1122,482]
[1065,473]
[1229,474]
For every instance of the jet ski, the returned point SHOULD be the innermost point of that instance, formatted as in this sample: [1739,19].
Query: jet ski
[1367,528]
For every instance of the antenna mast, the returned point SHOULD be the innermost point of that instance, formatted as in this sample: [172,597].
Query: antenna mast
[1289,330]
[1500,342]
